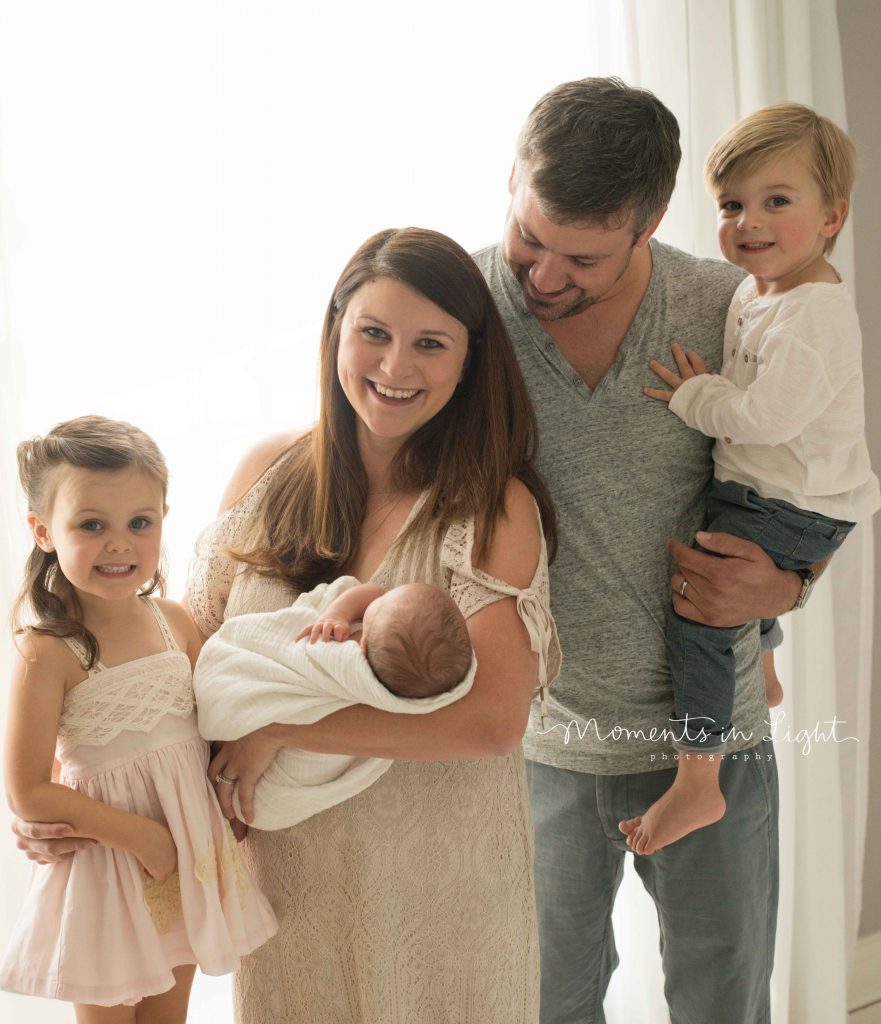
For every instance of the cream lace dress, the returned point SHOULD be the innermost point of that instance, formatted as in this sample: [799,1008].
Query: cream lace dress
[412,902]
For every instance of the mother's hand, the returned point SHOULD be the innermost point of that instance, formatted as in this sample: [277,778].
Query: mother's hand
[242,762]
[47,843]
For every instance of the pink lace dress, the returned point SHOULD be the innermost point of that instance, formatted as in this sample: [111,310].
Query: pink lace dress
[97,928]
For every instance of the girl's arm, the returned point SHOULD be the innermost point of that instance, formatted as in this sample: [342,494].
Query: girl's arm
[335,622]
[36,697]
[488,721]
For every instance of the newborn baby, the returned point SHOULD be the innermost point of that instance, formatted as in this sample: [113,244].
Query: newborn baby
[413,636]
[413,655]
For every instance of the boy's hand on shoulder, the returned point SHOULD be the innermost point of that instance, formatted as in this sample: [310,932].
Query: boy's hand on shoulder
[689,365]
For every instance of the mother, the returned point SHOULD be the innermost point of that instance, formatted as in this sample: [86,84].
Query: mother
[411,902]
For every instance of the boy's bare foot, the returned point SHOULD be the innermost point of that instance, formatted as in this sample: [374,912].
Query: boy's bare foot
[773,689]
[692,802]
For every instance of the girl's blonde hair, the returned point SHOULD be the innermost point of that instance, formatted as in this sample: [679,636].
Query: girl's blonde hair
[777,131]
[46,597]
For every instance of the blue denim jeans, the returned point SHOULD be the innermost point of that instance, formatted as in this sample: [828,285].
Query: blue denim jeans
[715,892]
[701,657]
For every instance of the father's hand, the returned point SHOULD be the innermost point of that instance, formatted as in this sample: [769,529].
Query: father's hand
[744,584]
[47,843]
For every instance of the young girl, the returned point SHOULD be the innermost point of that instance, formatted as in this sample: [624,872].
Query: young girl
[105,673]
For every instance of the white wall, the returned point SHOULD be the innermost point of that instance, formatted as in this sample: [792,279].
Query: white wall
[860,26]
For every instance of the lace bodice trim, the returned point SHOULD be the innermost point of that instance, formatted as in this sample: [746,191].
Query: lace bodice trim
[132,696]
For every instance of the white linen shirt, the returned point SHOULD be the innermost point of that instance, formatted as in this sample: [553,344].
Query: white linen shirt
[787,409]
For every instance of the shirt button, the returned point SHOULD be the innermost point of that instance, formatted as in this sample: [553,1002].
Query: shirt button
[734,351]
[740,321]
[746,357]
[727,440]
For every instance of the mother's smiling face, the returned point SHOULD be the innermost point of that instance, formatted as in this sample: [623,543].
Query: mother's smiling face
[399,360]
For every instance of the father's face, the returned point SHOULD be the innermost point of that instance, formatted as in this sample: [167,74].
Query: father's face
[563,268]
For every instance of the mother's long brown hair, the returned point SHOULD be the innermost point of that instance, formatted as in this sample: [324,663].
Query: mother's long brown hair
[309,521]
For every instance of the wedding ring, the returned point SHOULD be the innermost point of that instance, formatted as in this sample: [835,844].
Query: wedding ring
[682,587]
[220,777]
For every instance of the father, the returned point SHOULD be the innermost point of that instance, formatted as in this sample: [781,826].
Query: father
[589,298]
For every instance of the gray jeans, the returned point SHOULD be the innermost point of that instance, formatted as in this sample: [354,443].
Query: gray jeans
[715,892]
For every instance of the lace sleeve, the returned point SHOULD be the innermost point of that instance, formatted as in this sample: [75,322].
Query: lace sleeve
[212,568]
[473,589]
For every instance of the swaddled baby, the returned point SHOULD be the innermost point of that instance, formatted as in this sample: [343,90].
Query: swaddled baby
[412,655]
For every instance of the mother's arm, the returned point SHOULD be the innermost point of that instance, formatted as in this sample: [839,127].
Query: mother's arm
[488,721]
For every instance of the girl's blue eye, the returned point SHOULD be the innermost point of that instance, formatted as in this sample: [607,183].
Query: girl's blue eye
[778,201]
[731,206]
[90,525]
[139,523]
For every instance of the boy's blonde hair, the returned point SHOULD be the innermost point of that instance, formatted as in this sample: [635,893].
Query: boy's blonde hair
[777,131]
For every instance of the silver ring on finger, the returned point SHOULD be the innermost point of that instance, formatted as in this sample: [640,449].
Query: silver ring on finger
[220,777]
[682,587]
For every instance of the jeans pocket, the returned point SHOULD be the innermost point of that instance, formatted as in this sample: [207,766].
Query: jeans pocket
[821,540]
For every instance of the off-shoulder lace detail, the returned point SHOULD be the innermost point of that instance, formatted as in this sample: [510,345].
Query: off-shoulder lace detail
[473,589]
[212,568]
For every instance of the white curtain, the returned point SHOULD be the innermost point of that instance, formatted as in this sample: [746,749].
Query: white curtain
[713,62]
[180,184]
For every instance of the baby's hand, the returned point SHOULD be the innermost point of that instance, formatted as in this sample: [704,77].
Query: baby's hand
[689,364]
[327,629]
[156,851]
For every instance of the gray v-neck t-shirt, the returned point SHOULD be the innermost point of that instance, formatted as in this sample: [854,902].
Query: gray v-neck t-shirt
[625,474]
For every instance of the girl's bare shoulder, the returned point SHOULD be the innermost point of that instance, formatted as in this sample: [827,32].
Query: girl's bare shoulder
[47,658]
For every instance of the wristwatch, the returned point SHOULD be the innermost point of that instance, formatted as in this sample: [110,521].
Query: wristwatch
[808,579]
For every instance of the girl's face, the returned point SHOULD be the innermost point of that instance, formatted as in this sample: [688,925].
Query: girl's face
[400,358]
[106,529]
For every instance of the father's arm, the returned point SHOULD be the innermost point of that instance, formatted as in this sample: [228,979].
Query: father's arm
[743,584]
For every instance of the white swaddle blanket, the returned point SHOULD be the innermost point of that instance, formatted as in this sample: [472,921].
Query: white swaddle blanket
[251,673]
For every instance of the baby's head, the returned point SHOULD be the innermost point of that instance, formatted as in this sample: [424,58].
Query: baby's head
[777,133]
[416,641]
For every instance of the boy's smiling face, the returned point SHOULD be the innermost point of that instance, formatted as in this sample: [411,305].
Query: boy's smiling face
[774,223]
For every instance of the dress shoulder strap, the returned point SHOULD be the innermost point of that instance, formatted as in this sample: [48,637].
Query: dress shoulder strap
[170,643]
[82,655]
